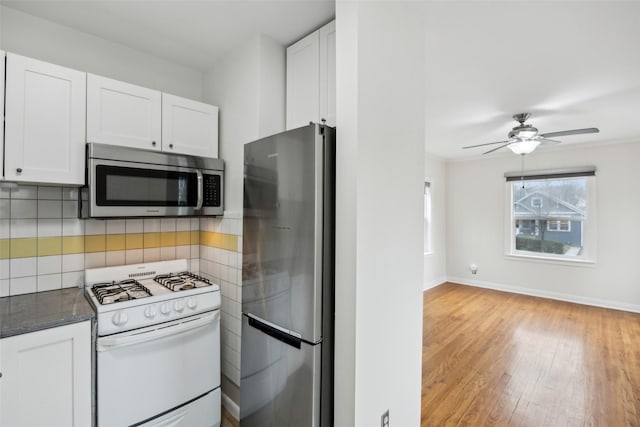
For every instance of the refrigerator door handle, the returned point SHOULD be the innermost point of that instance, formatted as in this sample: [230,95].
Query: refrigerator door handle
[275,333]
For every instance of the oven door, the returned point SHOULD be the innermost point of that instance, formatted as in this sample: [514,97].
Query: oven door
[151,372]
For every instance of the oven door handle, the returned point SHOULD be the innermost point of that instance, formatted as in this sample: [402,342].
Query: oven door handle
[161,331]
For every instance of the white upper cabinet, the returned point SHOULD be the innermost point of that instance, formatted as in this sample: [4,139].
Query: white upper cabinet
[303,81]
[311,78]
[328,73]
[189,127]
[120,113]
[2,59]
[46,377]
[44,122]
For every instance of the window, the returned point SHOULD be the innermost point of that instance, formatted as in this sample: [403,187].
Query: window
[559,225]
[427,218]
[551,215]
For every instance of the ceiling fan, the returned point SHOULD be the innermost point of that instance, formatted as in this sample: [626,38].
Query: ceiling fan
[524,138]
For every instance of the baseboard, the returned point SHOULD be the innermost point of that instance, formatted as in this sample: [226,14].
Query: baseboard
[231,406]
[434,283]
[596,302]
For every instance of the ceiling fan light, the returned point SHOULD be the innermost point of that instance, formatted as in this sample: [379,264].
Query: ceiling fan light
[525,146]
[527,133]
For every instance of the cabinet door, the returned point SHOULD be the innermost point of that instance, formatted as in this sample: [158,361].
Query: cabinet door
[120,113]
[189,127]
[303,81]
[328,73]
[46,378]
[44,122]
[2,62]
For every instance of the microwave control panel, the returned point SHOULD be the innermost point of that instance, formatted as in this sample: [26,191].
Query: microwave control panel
[212,190]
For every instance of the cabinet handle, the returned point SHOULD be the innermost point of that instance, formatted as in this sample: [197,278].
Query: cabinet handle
[170,145]
[19,170]
[153,143]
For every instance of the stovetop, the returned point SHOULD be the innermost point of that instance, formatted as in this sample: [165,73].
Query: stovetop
[134,296]
[131,289]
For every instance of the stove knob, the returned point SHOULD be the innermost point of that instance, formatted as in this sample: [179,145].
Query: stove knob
[150,312]
[179,306]
[192,303]
[119,318]
[165,309]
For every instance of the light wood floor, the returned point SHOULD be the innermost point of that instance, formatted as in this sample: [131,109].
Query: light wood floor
[494,358]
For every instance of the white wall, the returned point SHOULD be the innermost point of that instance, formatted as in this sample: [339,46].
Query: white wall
[380,172]
[435,263]
[475,228]
[248,85]
[38,38]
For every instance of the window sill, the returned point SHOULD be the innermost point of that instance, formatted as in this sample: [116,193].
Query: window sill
[573,262]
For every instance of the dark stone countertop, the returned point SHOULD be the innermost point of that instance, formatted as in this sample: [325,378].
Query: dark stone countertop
[21,314]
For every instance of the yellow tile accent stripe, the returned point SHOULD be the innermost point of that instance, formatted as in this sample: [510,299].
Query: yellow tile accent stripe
[4,248]
[219,240]
[94,243]
[65,245]
[49,246]
[72,245]
[151,240]
[168,239]
[116,242]
[134,241]
[23,248]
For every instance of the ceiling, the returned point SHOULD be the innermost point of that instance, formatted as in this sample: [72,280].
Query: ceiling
[572,64]
[191,32]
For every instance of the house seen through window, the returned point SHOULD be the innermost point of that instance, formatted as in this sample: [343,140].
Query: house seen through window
[549,215]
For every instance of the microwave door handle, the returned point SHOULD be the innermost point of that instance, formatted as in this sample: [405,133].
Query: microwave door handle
[200,190]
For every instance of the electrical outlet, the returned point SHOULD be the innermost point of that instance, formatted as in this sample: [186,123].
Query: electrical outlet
[384,420]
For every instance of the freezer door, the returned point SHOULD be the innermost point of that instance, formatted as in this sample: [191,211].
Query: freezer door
[284,229]
[280,379]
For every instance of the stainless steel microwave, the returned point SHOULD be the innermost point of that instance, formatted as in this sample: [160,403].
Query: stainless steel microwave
[128,182]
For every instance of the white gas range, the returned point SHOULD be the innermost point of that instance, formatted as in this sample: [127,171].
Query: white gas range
[157,345]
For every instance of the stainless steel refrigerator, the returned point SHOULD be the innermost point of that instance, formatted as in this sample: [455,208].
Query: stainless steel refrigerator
[286,375]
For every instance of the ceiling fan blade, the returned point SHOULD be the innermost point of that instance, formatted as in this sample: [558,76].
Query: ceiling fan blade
[570,132]
[546,141]
[488,143]
[497,148]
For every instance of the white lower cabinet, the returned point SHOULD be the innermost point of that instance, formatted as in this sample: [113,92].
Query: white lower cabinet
[46,378]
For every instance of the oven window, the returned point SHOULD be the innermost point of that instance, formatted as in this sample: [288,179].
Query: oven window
[121,186]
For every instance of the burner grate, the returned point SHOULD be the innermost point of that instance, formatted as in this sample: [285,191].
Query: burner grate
[125,290]
[182,281]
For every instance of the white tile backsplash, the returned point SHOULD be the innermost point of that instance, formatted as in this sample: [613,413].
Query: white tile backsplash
[73,227]
[70,209]
[49,208]
[24,228]
[134,226]
[5,291]
[24,209]
[49,193]
[94,226]
[167,224]
[23,267]
[24,192]
[72,279]
[151,225]
[23,285]
[115,258]
[49,264]
[49,282]
[72,262]
[116,226]
[49,228]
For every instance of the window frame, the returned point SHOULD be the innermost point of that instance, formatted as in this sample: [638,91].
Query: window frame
[427,200]
[589,236]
